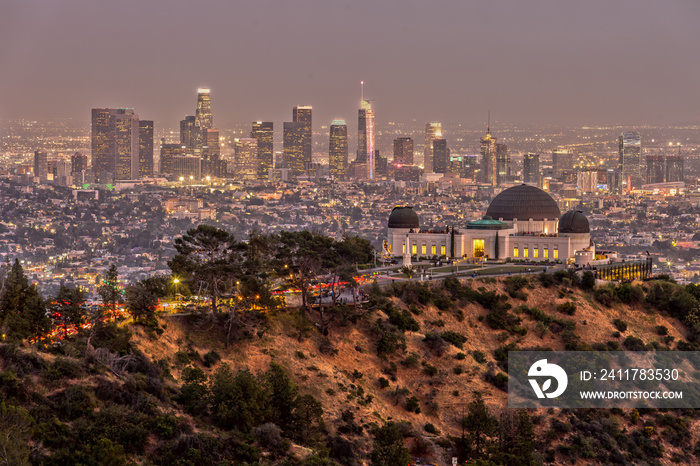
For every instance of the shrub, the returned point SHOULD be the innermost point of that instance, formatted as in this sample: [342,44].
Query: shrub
[211,358]
[620,324]
[454,338]
[403,320]
[460,356]
[413,405]
[435,343]
[412,360]
[633,344]
[383,382]
[390,342]
[430,370]
[431,429]
[499,380]
[458,370]
[567,308]
[661,330]
[588,280]
[604,296]
[479,356]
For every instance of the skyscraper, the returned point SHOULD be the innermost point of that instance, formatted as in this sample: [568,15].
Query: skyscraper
[655,169]
[630,152]
[145,148]
[403,151]
[79,162]
[293,147]
[116,143]
[502,164]
[366,136]
[441,155]
[41,164]
[246,154]
[302,116]
[531,169]
[432,131]
[126,145]
[168,152]
[190,135]
[338,148]
[204,117]
[562,161]
[263,132]
[103,158]
[488,158]
[674,167]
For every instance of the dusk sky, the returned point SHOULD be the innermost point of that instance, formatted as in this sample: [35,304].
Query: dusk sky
[529,62]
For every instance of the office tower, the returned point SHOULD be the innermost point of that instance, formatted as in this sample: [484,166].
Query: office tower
[246,158]
[455,165]
[366,135]
[145,148]
[168,152]
[115,143]
[403,151]
[381,165]
[102,143]
[630,152]
[78,162]
[302,116]
[502,164]
[187,168]
[531,169]
[126,145]
[41,164]
[293,147]
[263,133]
[441,155]
[203,116]
[338,148]
[655,169]
[562,161]
[190,135]
[211,146]
[674,167]
[432,131]
[488,158]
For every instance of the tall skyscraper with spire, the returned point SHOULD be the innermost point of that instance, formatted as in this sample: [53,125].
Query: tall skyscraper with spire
[338,148]
[488,157]
[366,134]
[433,131]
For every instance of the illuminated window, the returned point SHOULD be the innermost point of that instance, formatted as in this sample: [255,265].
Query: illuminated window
[526,252]
[478,247]
[442,250]
[403,248]
[414,249]
[545,252]
[536,253]
[516,252]
[424,249]
[433,249]
[556,253]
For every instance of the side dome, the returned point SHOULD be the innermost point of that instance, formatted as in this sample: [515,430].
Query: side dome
[574,222]
[523,202]
[403,217]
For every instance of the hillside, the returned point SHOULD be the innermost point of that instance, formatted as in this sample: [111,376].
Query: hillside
[401,351]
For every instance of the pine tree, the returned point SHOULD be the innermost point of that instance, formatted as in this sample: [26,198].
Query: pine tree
[22,310]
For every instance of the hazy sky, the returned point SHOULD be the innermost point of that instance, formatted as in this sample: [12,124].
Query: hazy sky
[529,61]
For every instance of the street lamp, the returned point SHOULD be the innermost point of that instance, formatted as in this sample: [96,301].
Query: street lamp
[182,179]
[176,282]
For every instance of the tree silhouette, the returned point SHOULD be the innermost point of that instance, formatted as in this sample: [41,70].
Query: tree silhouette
[22,310]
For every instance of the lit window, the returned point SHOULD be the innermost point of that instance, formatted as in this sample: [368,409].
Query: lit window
[414,249]
[526,252]
[424,249]
[546,253]
[442,250]
[516,252]
[403,248]
[556,253]
[433,249]
[536,253]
